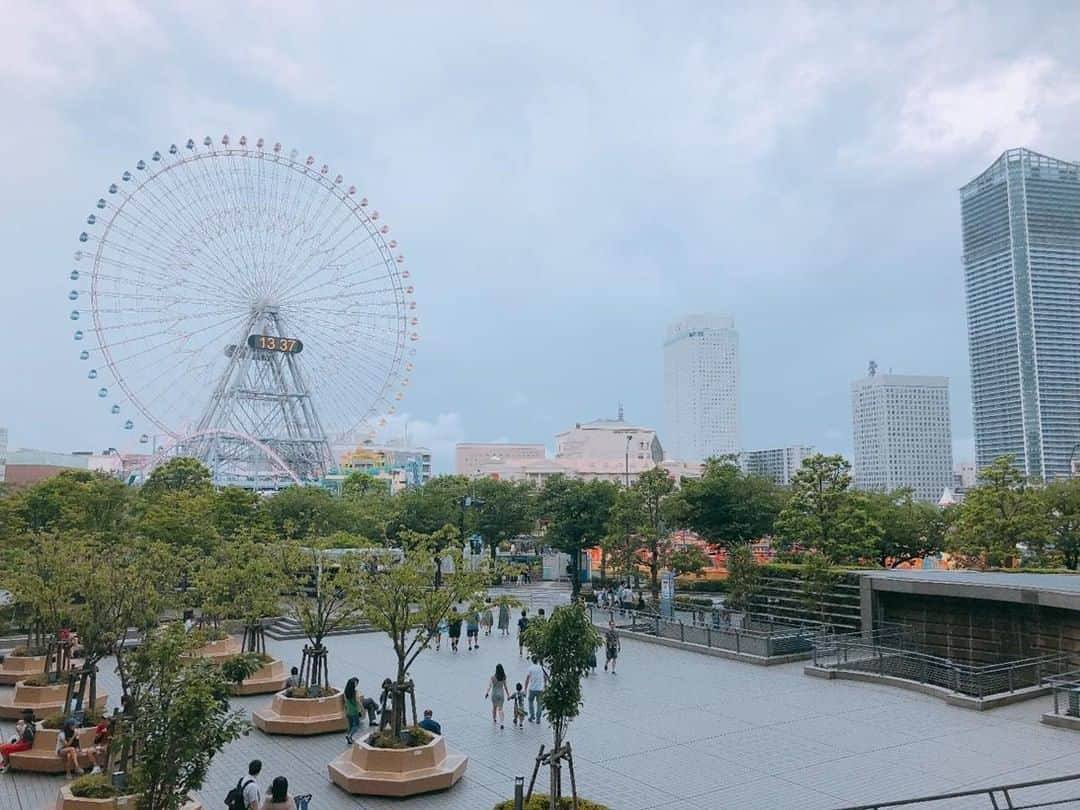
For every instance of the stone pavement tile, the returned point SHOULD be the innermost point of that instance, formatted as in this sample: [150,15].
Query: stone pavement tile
[616,789]
[683,771]
[845,735]
[683,725]
[922,721]
[769,750]
[767,793]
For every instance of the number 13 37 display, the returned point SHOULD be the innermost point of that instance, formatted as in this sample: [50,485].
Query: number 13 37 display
[272,343]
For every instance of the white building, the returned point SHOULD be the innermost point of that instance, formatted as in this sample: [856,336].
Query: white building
[778,463]
[965,475]
[471,456]
[902,435]
[609,440]
[1021,232]
[701,387]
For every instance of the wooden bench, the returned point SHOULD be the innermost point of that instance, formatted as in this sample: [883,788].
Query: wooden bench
[42,758]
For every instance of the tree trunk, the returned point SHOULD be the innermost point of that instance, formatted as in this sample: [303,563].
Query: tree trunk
[575,574]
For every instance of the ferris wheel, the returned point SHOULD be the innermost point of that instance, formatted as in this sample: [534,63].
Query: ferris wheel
[226,289]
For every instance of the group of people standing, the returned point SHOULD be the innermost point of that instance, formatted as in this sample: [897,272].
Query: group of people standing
[621,597]
[474,620]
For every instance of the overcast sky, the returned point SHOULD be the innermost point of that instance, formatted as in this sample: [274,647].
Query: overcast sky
[564,181]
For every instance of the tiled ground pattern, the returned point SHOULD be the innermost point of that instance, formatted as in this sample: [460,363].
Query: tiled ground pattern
[673,729]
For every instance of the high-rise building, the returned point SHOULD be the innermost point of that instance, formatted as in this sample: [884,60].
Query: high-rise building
[1021,229]
[902,435]
[701,387]
[777,463]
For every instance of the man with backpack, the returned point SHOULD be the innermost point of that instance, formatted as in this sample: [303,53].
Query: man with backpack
[246,795]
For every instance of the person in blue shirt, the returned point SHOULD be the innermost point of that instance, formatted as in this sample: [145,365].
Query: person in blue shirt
[429,724]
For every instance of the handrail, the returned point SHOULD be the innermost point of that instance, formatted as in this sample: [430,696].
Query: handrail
[988,792]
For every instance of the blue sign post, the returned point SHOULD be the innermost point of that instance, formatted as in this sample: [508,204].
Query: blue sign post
[667,594]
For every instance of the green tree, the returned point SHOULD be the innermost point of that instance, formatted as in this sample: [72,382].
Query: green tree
[236,512]
[121,586]
[577,513]
[743,577]
[823,513]
[566,645]
[999,513]
[182,519]
[429,508]
[621,544]
[358,484]
[179,474]
[299,513]
[178,719]
[689,560]
[398,599]
[42,582]
[725,506]
[910,529]
[818,580]
[506,511]
[1061,501]
[242,581]
[73,500]
[324,597]
[654,487]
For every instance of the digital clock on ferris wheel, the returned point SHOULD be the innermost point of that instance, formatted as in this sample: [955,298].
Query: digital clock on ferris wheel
[273,343]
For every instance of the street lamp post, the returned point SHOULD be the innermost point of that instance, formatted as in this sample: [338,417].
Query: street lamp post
[629,438]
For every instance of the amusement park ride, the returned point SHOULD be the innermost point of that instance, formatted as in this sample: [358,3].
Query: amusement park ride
[247,305]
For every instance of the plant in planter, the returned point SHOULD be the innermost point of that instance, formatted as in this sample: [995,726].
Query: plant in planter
[324,599]
[42,580]
[400,600]
[566,646]
[177,719]
[239,667]
[540,801]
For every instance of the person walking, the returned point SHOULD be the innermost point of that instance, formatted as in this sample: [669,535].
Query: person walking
[472,629]
[278,798]
[519,705]
[454,629]
[352,709]
[535,680]
[441,627]
[504,618]
[498,691]
[611,646]
[523,622]
[487,618]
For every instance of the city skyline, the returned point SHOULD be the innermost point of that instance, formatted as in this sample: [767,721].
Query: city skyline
[803,181]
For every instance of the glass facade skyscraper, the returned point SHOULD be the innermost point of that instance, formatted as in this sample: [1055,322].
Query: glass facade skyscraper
[1021,232]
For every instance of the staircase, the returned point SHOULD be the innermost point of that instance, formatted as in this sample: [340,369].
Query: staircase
[284,628]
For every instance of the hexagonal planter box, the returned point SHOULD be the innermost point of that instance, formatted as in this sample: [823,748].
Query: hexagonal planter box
[270,678]
[17,668]
[217,650]
[65,801]
[368,771]
[302,716]
[43,700]
[42,757]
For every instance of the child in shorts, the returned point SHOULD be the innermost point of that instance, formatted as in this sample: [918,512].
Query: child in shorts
[519,705]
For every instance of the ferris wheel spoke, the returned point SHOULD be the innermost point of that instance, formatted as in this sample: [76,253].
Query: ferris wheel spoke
[177,343]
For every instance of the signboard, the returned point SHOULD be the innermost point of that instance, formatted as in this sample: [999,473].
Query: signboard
[667,593]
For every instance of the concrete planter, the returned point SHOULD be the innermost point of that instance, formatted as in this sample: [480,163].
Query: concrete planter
[65,801]
[302,716]
[271,678]
[367,771]
[43,700]
[20,667]
[42,757]
[216,650]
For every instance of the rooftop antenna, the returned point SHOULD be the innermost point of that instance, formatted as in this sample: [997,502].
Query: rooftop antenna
[873,368]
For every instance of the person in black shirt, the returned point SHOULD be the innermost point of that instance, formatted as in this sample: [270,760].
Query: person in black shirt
[523,622]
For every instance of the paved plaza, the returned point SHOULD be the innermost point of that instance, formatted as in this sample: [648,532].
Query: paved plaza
[673,729]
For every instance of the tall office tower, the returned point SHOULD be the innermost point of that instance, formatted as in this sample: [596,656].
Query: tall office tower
[777,463]
[701,388]
[902,434]
[1021,225]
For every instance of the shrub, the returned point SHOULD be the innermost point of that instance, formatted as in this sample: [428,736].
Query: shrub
[414,736]
[38,680]
[93,786]
[308,692]
[239,667]
[539,801]
[702,585]
[214,634]
[56,721]
[27,652]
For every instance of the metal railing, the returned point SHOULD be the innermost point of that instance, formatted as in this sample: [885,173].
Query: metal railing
[889,652]
[742,633]
[1055,792]
[1066,690]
